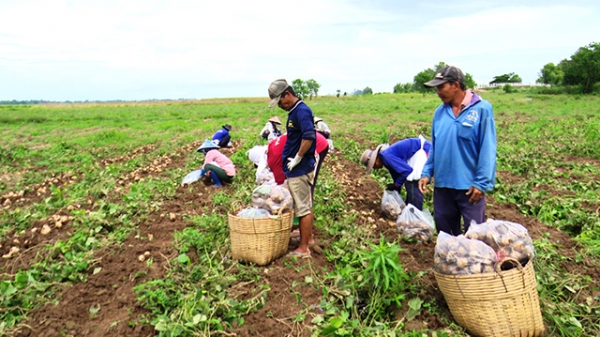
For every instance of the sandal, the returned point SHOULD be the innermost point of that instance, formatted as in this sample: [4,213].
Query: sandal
[299,254]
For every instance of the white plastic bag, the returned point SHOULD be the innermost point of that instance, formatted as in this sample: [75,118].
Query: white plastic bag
[256,153]
[253,212]
[191,177]
[392,204]
[265,176]
[330,144]
[416,224]
[273,198]
[417,162]
[508,239]
[460,255]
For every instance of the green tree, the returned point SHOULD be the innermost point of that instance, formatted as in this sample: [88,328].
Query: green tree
[439,66]
[584,68]
[338,93]
[367,91]
[551,74]
[420,79]
[402,88]
[469,81]
[313,87]
[300,88]
[507,78]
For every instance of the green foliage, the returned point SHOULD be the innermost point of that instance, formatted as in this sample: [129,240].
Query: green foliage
[301,88]
[161,296]
[469,81]
[507,78]
[402,88]
[367,91]
[583,69]
[507,88]
[313,87]
[421,78]
[551,74]
[383,270]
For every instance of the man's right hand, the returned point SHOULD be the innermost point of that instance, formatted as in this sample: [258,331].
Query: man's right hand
[423,184]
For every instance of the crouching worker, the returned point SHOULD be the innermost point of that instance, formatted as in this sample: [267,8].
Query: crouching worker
[404,160]
[217,167]
[222,136]
[321,127]
[271,131]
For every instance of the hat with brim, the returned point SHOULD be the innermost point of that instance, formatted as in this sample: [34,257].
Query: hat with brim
[369,157]
[275,120]
[317,119]
[446,74]
[277,88]
[207,145]
[227,127]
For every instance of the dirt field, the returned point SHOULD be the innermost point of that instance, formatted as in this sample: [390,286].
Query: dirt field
[111,289]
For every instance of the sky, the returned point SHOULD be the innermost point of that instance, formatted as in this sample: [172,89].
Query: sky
[76,50]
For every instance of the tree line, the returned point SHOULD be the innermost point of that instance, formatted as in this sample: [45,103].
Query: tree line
[581,73]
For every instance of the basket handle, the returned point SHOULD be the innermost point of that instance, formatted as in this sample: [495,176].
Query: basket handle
[513,261]
[236,206]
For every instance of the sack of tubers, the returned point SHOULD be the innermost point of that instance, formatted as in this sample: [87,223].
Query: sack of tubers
[461,255]
[272,198]
[508,239]
[415,224]
[392,204]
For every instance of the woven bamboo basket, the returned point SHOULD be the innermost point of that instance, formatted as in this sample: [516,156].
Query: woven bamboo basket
[500,304]
[259,240]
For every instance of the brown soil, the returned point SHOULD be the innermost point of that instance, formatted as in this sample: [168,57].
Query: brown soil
[111,288]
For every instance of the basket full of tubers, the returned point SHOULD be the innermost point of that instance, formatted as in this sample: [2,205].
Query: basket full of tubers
[258,236]
[488,292]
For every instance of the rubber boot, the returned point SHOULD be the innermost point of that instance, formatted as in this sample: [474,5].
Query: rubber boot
[214,177]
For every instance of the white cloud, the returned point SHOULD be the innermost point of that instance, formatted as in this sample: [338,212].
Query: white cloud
[96,50]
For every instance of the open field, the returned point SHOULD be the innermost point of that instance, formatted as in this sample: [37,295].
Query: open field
[85,190]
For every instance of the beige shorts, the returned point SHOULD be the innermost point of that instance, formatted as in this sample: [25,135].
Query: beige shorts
[300,189]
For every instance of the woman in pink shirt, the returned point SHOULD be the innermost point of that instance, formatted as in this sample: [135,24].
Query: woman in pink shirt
[217,166]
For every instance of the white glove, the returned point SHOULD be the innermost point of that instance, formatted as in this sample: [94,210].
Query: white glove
[292,162]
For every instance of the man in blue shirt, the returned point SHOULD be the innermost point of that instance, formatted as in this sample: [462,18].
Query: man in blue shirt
[404,160]
[298,157]
[222,137]
[462,160]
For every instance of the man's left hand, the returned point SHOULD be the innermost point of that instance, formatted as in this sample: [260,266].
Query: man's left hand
[293,162]
[475,194]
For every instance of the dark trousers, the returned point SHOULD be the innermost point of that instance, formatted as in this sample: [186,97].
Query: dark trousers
[223,177]
[224,141]
[448,207]
[413,194]
[322,156]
